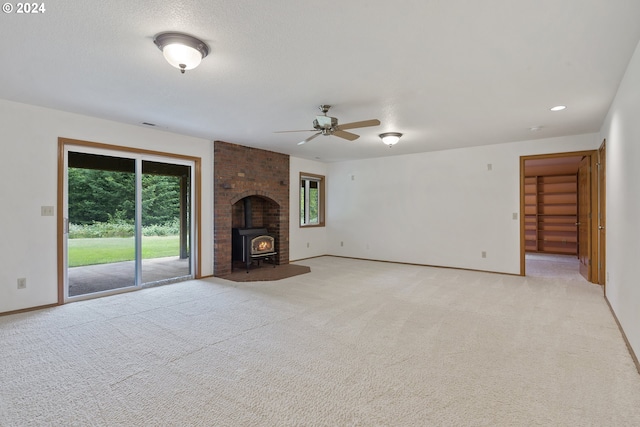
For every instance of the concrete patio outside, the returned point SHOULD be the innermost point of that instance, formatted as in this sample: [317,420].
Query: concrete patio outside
[106,277]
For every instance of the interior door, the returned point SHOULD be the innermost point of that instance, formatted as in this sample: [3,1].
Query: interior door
[602,214]
[584,217]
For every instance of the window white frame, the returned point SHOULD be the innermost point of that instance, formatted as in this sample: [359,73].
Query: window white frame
[307,182]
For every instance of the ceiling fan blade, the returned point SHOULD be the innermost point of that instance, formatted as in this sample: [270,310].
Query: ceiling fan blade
[346,135]
[362,124]
[287,131]
[310,138]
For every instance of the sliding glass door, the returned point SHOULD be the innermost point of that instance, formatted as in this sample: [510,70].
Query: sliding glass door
[101,223]
[128,221]
[165,219]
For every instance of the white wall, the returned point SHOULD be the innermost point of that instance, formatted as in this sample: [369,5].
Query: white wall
[621,129]
[440,208]
[28,168]
[304,242]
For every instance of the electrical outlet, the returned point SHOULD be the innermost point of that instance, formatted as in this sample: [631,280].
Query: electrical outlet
[489,167]
[484,254]
[341,243]
[22,283]
[307,244]
[515,215]
[46,210]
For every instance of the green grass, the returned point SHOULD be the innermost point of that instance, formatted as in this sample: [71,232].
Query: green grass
[116,249]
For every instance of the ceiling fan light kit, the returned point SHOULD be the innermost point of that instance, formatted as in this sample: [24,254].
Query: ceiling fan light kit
[326,125]
[182,51]
[390,138]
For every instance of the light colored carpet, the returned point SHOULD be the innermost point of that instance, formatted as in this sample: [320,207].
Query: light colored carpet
[552,266]
[353,343]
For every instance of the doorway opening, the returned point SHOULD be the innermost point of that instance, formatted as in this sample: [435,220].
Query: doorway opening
[559,203]
[127,219]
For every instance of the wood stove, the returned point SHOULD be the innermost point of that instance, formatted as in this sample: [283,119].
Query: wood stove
[253,244]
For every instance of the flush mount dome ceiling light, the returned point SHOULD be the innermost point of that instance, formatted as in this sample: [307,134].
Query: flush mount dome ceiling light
[558,108]
[183,51]
[390,138]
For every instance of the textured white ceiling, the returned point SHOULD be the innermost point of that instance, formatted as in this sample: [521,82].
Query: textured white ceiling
[446,73]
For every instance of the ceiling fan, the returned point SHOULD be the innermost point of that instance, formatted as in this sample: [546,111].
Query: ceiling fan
[326,125]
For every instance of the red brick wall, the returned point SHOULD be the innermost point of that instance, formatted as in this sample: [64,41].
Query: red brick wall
[241,172]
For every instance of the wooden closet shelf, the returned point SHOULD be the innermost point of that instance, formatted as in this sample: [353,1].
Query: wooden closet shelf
[550,209]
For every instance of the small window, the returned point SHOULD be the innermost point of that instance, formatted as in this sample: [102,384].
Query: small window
[311,200]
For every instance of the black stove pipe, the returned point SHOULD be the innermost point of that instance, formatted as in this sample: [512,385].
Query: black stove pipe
[248,223]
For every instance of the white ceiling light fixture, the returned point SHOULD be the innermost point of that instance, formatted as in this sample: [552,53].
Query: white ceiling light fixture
[390,138]
[183,51]
[558,108]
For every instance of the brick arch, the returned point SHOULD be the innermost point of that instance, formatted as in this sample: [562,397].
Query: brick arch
[250,193]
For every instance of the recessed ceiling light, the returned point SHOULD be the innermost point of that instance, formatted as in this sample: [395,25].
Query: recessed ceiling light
[558,108]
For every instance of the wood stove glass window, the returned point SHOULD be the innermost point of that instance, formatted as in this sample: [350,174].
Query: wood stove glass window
[311,200]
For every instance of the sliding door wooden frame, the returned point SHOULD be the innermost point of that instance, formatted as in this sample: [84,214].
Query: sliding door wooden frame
[593,229]
[63,143]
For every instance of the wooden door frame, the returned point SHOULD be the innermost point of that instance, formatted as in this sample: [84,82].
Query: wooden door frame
[593,229]
[602,215]
[197,202]
[585,217]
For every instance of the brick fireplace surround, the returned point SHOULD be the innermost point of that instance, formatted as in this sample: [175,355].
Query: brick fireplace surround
[241,172]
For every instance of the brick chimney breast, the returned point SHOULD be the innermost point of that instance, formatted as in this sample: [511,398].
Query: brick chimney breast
[249,172]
